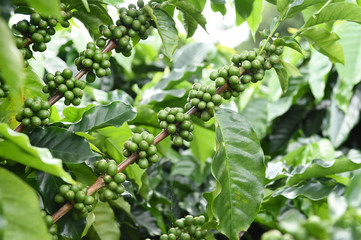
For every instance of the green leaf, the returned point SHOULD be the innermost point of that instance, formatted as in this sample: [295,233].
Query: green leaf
[288,42]
[200,148]
[239,170]
[326,43]
[31,87]
[319,67]
[46,7]
[62,143]
[166,29]
[353,191]
[74,114]
[114,114]
[16,147]
[283,78]
[320,168]
[322,149]
[336,11]
[110,140]
[244,8]
[192,17]
[298,6]
[105,225]
[218,7]
[86,5]
[256,114]
[282,7]
[291,69]
[199,4]
[314,190]
[349,73]
[341,124]
[20,209]
[11,64]
[97,16]
[255,18]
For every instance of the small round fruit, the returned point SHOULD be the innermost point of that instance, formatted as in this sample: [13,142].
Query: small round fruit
[143,163]
[247,65]
[120,177]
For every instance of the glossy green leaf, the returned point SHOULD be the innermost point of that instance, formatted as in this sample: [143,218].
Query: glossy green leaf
[62,144]
[353,191]
[326,43]
[336,11]
[239,170]
[11,65]
[341,124]
[105,225]
[47,7]
[319,168]
[314,190]
[97,16]
[166,29]
[290,68]
[192,17]
[199,4]
[86,5]
[322,149]
[114,114]
[349,73]
[283,78]
[74,114]
[288,42]
[16,147]
[319,67]
[20,209]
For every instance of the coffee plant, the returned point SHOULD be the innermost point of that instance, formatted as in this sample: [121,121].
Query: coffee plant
[117,124]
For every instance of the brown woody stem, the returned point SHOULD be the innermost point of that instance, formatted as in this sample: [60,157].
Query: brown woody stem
[99,183]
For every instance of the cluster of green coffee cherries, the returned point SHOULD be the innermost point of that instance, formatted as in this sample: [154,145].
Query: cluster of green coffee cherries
[142,144]
[188,228]
[4,88]
[66,84]
[52,227]
[95,60]
[77,195]
[205,98]
[39,31]
[177,123]
[112,179]
[35,112]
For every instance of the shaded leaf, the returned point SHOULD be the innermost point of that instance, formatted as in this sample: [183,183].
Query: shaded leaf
[20,210]
[298,6]
[16,146]
[244,8]
[62,143]
[256,114]
[202,149]
[239,170]
[326,43]
[255,19]
[114,114]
